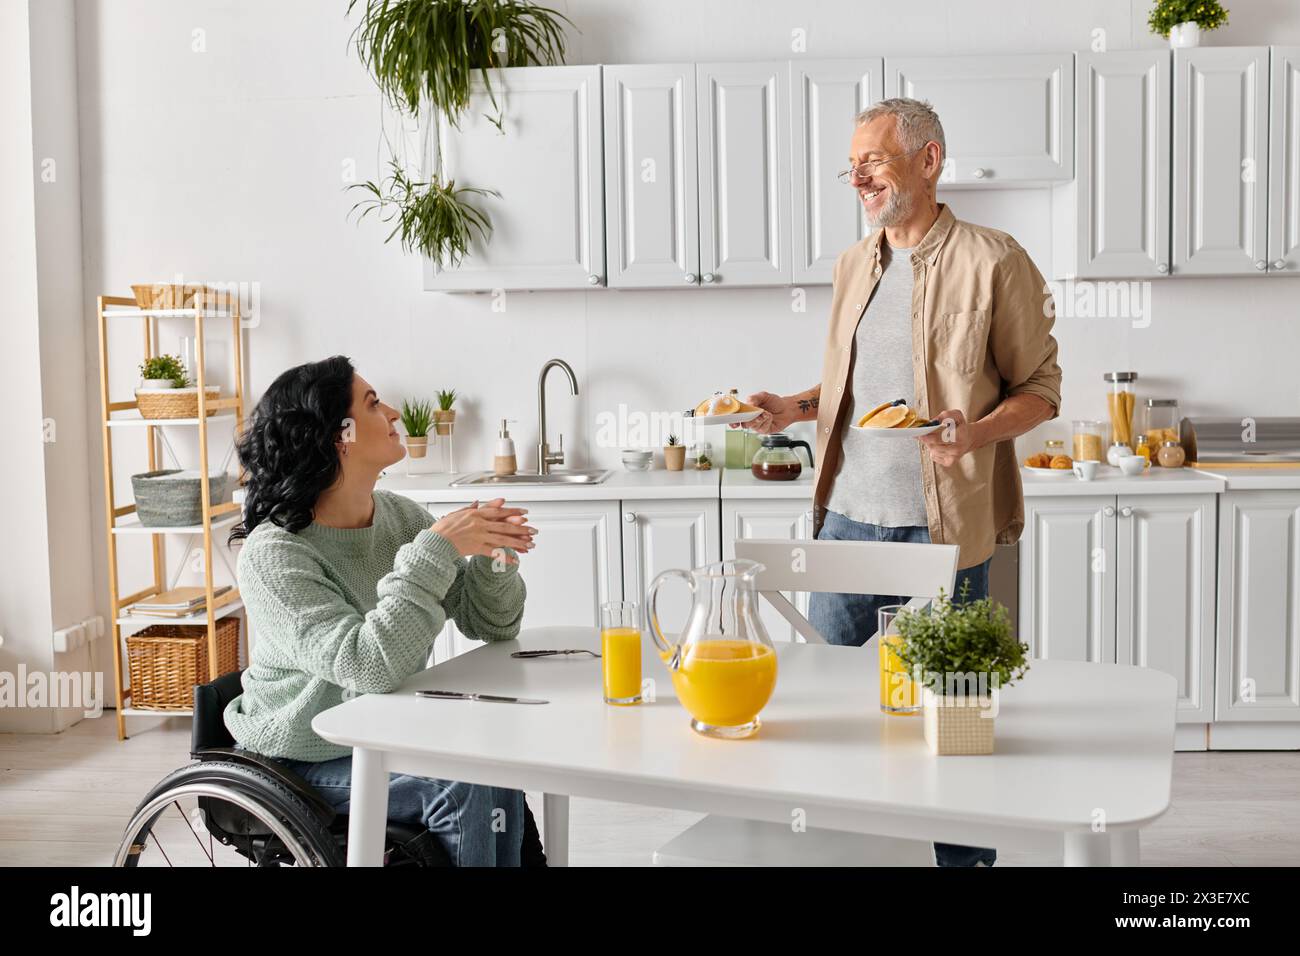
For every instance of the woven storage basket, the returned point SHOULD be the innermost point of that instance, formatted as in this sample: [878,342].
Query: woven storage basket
[173,402]
[960,726]
[165,295]
[167,660]
[163,503]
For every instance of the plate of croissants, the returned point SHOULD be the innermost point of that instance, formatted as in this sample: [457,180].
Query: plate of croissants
[724,408]
[1052,465]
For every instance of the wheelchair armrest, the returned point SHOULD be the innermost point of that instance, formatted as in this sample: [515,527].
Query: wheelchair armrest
[276,769]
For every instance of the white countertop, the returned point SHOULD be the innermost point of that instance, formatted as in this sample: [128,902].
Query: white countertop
[1111,481]
[658,483]
[1256,479]
[741,483]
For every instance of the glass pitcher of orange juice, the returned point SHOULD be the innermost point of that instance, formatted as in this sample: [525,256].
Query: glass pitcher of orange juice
[723,665]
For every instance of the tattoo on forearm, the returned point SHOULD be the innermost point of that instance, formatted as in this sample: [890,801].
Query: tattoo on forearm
[807,404]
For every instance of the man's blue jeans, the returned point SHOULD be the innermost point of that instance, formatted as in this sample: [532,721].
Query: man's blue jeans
[852,618]
[477,825]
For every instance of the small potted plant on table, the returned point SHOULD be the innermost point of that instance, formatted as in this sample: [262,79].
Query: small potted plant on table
[961,653]
[444,419]
[1183,21]
[416,417]
[674,454]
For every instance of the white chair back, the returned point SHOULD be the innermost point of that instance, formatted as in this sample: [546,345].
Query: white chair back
[915,571]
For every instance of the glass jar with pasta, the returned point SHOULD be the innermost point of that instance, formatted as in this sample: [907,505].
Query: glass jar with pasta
[1120,401]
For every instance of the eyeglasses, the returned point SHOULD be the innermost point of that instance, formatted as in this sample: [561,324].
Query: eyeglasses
[863,170]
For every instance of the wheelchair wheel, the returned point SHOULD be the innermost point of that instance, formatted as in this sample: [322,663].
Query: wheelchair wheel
[219,813]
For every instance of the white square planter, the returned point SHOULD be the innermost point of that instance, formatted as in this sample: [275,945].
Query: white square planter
[957,725]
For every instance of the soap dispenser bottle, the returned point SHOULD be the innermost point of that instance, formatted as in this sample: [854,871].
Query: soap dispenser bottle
[505,462]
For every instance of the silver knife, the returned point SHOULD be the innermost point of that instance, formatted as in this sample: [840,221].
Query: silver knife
[486,698]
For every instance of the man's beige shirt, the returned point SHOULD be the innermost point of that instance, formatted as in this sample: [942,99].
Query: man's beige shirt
[982,321]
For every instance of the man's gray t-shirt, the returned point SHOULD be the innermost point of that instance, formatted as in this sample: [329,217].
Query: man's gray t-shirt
[879,479]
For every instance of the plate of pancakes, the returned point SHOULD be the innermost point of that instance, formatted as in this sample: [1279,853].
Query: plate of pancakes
[723,409]
[896,419]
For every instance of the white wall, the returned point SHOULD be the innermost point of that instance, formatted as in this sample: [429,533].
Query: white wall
[282,103]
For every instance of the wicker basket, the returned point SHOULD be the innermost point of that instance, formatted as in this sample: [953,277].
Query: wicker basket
[163,295]
[167,660]
[173,402]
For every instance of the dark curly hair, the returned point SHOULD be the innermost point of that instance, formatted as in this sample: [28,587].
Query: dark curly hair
[288,447]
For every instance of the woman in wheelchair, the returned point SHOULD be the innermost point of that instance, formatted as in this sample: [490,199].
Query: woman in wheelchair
[348,587]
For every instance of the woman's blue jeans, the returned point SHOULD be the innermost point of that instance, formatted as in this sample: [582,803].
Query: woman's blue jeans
[851,619]
[476,825]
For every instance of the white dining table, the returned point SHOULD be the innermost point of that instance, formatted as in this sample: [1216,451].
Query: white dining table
[1083,753]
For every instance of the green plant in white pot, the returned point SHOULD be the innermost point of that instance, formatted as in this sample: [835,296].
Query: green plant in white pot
[961,653]
[163,371]
[1183,21]
[416,419]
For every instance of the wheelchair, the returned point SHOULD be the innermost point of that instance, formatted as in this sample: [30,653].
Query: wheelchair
[237,808]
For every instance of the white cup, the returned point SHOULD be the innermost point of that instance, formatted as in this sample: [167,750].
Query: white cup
[1085,470]
[1132,464]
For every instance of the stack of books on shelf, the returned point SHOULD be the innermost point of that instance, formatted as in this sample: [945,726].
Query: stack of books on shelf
[178,602]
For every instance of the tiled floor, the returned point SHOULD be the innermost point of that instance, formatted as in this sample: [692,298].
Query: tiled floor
[65,799]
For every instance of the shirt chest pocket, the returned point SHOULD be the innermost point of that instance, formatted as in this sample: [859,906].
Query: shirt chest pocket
[960,340]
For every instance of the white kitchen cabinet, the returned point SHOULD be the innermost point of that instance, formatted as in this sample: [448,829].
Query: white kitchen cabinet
[1127,579]
[1165,574]
[1284,162]
[1114,219]
[652,212]
[548,226]
[743,112]
[825,98]
[576,565]
[759,518]
[1007,119]
[662,534]
[1067,566]
[1220,160]
[1257,673]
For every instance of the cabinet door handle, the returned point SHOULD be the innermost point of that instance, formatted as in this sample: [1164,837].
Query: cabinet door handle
[1279,263]
[1126,512]
[1261,265]
[978,173]
[690,278]
[1162,268]
[1108,511]
[593,279]
[629,517]
[708,277]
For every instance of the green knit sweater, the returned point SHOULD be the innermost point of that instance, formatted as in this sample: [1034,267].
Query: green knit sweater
[347,611]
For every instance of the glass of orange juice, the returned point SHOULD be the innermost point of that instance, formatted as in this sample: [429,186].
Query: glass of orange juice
[899,694]
[620,652]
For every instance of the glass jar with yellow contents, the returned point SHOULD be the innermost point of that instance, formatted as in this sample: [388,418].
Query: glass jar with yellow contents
[1089,440]
[1160,424]
[1120,402]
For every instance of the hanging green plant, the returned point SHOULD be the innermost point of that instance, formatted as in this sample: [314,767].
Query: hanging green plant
[427,51]
[433,218]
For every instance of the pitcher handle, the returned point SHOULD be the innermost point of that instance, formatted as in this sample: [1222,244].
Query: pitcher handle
[652,595]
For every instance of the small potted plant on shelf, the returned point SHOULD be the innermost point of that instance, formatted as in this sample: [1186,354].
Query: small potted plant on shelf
[1183,21]
[416,417]
[163,371]
[674,454]
[444,418]
[961,653]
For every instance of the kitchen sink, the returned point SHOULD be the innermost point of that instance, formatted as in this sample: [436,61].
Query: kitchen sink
[554,478]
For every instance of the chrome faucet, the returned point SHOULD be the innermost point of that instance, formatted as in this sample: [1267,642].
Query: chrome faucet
[545,457]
